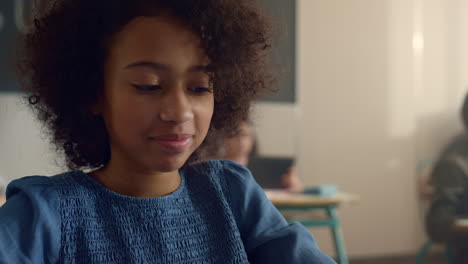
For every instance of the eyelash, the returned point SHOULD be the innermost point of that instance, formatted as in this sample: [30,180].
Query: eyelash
[201,90]
[149,88]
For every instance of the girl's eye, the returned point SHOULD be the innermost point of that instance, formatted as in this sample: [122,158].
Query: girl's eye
[147,88]
[201,90]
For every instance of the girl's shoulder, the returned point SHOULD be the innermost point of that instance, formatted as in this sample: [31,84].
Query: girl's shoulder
[230,178]
[32,207]
[225,173]
[38,185]
[221,169]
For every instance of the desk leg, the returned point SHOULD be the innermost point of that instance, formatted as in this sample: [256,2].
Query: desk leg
[337,236]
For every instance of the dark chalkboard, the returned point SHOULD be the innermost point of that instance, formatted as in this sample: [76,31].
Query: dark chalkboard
[283,52]
[14,13]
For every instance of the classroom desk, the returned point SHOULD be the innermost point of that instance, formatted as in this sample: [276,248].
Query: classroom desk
[286,201]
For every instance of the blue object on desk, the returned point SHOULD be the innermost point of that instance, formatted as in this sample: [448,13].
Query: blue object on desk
[324,190]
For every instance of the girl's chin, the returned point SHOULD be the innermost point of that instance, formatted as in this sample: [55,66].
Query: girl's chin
[166,162]
[168,165]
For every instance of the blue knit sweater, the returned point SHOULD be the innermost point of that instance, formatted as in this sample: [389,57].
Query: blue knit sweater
[217,215]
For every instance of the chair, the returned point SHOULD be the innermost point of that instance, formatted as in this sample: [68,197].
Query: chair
[425,191]
[423,252]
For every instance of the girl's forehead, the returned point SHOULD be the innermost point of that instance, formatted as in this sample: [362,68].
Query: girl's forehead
[161,39]
[149,28]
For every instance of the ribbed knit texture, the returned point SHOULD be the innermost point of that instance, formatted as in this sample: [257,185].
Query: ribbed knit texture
[192,225]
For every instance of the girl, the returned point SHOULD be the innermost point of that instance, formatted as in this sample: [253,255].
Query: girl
[132,92]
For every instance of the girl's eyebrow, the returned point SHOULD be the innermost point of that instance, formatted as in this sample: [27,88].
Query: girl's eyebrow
[164,67]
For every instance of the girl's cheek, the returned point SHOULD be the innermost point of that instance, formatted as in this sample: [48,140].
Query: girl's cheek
[131,115]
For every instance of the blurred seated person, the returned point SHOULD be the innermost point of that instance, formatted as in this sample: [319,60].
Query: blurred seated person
[241,147]
[449,199]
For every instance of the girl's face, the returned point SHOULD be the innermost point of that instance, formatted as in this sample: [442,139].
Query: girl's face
[157,100]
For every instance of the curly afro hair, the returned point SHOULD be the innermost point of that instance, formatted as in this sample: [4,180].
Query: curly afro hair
[61,61]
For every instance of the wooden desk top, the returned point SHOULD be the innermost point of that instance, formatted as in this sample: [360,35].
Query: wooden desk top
[285,198]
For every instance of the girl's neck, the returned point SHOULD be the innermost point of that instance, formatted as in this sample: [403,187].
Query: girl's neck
[137,183]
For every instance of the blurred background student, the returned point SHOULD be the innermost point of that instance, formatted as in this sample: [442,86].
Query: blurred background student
[449,201]
[241,148]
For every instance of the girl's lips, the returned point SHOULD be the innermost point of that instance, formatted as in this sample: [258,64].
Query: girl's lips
[173,142]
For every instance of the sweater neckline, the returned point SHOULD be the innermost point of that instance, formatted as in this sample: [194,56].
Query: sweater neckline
[85,178]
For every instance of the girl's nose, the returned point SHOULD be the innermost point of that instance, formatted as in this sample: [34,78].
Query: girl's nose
[176,106]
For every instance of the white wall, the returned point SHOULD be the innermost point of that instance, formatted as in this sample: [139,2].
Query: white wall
[379,83]
[24,150]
